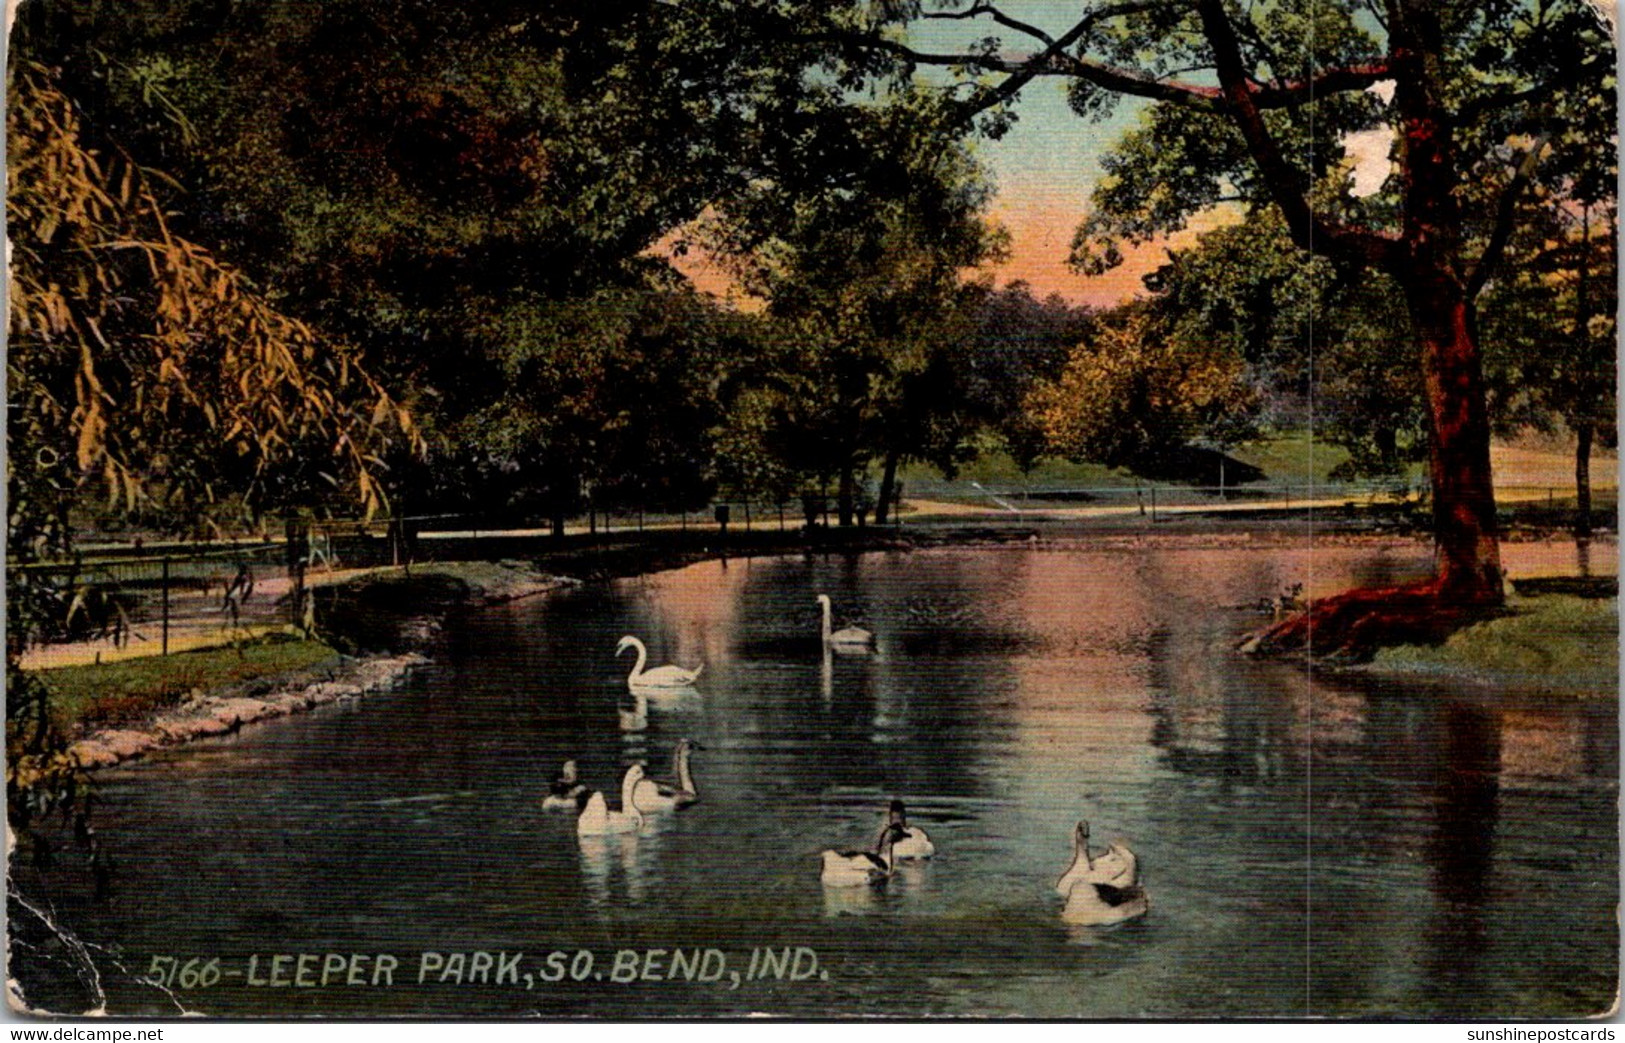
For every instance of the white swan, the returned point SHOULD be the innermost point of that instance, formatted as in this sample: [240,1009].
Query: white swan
[847,638]
[653,795]
[911,841]
[1117,867]
[856,868]
[597,819]
[566,790]
[1097,905]
[660,676]
[1101,890]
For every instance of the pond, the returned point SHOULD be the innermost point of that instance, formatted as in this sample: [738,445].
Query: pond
[1342,846]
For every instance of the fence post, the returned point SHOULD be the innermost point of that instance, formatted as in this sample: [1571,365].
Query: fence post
[781,515]
[165,587]
[747,515]
[1153,503]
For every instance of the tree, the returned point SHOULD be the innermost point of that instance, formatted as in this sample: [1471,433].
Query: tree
[863,279]
[1018,342]
[140,362]
[1133,396]
[1287,81]
[1551,334]
[1310,329]
[440,183]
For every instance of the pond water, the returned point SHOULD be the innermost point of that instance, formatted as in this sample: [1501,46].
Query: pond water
[1327,847]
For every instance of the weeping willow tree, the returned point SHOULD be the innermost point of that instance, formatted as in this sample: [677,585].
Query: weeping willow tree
[149,373]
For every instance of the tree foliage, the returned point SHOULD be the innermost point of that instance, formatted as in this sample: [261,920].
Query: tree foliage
[864,285]
[1134,394]
[141,363]
[1327,344]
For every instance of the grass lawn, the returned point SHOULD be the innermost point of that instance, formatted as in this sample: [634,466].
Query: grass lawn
[110,693]
[1552,641]
[1283,458]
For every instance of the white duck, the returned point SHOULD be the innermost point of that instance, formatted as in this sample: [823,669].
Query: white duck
[911,841]
[660,676]
[1117,867]
[654,795]
[850,639]
[857,868]
[566,790]
[597,818]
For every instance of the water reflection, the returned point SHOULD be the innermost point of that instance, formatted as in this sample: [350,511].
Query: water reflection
[601,856]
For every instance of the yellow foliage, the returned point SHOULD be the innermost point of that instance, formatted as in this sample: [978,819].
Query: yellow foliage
[133,350]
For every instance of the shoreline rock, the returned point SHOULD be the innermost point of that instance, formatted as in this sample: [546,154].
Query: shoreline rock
[210,715]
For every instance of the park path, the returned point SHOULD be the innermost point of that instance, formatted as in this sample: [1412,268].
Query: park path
[197,619]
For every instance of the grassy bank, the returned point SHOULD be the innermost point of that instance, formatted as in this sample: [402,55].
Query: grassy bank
[105,694]
[1292,457]
[1550,642]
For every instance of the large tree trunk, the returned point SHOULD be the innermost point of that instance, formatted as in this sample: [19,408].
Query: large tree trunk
[1468,549]
[1427,264]
[1582,478]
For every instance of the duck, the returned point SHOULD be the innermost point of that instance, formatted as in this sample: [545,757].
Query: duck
[598,819]
[1117,867]
[847,638]
[911,841]
[858,868]
[654,795]
[566,790]
[660,676]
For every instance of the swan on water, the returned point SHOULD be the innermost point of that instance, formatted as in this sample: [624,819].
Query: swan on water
[1117,866]
[1098,905]
[856,868]
[911,841]
[847,638]
[1101,889]
[655,795]
[598,819]
[660,676]
[566,790]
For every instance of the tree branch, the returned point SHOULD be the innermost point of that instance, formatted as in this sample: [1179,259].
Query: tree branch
[1504,213]
[1309,230]
[998,16]
[1475,107]
[1054,60]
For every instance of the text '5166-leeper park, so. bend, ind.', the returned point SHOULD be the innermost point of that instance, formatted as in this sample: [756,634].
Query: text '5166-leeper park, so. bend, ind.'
[325,970]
